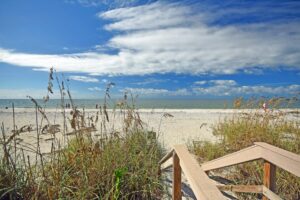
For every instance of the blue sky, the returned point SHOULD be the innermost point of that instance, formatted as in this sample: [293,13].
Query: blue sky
[176,49]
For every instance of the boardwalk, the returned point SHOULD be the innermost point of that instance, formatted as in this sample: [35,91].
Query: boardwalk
[204,188]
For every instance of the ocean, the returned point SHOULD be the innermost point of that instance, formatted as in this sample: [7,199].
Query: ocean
[139,103]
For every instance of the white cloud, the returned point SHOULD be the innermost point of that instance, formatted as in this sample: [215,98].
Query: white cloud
[170,37]
[217,82]
[95,89]
[146,17]
[181,92]
[151,81]
[22,93]
[110,3]
[86,79]
[232,90]
[157,92]
[11,93]
[223,82]
[200,82]
[219,90]
[146,91]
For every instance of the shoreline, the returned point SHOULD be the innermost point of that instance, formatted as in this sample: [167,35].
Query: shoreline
[180,127]
[158,110]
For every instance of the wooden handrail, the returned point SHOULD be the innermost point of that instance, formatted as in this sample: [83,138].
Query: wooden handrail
[166,157]
[270,194]
[250,189]
[286,160]
[200,183]
[204,188]
[242,156]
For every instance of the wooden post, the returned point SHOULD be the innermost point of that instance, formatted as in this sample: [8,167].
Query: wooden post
[176,194]
[269,177]
[159,171]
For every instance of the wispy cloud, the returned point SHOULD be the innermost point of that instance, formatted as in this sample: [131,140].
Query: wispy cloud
[110,3]
[157,92]
[171,37]
[151,81]
[86,79]
[200,82]
[217,82]
[95,89]
[237,90]
[146,91]
[224,82]
[12,93]
[218,90]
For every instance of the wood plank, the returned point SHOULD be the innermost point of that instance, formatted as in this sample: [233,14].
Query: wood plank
[284,159]
[269,177]
[166,157]
[204,188]
[241,188]
[176,190]
[166,165]
[245,155]
[200,183]
[283,152]
[270,195]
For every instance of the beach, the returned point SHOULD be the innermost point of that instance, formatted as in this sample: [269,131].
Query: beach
[172,126]
[178,126]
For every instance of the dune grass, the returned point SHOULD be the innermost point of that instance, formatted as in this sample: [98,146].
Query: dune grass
[88,163]
[279,128]
[124,168]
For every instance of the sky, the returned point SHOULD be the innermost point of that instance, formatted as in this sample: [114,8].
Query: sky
[155,49]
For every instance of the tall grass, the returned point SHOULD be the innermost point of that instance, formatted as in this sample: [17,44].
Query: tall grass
[87,163]
[277,127]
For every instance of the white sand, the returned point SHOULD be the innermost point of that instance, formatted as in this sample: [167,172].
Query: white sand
[185,125]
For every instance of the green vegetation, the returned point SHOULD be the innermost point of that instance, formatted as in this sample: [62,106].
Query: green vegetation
[123,168]
[90,159]
[279,128]
[93,164]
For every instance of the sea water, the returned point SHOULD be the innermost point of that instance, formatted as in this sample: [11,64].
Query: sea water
[138,103]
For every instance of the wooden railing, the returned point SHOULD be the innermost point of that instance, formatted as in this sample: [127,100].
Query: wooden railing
[200,183]
[204,188]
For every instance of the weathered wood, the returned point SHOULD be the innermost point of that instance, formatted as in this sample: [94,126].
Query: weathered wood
[284,159]
[202,186]
[166,165]
[241,188]
[166,157]
[176,193]
[281,158]
[278,150]
[270,195]
[269,177]
[244,155]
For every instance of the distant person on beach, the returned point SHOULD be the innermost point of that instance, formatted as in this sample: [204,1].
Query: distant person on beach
[96,106]
[265,106]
